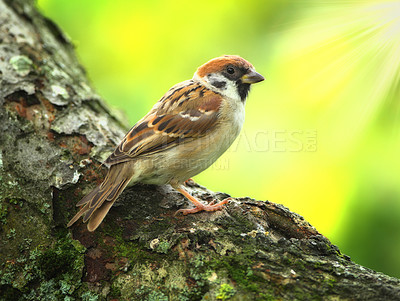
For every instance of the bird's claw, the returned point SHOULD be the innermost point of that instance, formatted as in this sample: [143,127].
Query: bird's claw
[201,207]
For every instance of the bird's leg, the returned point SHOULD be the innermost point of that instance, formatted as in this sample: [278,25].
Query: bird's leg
[199,206]
[190,182]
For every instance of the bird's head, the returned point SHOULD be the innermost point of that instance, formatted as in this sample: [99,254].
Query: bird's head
[229,75]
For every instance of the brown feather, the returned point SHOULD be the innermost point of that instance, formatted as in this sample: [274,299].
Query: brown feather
[88,197]
[77,216]
[99,201]
[100,213]
[164,128]
[217,64]
[98,216]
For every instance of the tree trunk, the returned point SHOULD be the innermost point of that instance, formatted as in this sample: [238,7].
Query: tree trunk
[55,132]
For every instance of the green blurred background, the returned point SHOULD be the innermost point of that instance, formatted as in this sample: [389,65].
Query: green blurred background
[322,131]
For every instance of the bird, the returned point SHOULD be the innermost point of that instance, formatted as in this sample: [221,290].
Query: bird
[184,133]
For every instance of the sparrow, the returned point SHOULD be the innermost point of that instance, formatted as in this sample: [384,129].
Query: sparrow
[184,133]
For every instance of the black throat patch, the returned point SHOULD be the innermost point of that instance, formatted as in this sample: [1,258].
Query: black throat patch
[243,89]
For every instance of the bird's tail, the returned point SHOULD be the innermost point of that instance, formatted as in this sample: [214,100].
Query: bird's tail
[99,201]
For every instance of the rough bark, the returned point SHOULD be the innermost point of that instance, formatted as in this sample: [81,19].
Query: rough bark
[55,132]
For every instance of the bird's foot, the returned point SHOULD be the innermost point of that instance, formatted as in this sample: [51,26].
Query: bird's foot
[201,207]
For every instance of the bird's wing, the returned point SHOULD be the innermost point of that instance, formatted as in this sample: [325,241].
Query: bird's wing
[187,111]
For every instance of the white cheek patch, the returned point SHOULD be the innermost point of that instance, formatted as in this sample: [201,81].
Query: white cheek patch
[217,81]
[229,90]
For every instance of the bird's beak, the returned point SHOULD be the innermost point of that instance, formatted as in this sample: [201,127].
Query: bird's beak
[252,77]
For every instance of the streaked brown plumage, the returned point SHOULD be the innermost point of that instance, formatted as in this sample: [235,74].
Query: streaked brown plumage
[183,134]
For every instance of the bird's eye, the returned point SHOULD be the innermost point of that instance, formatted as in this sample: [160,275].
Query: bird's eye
[230,70]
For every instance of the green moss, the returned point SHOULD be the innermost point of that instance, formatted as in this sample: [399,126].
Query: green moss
[57,261]
[46,272]
[330,282]
[7,292]
[267,297]
[132,250]
[225,292]
[9,195]
[163,247]
[170,277]
[286,260]
[239,270]
[21,64]
[3,211]
[89,296]
[200,270]
[11,234]
[157,296]
[137,250]
[299,264]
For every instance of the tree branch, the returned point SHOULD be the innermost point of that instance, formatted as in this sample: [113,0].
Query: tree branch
[56,131]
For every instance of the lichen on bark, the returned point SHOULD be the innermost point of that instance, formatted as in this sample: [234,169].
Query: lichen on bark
[41,81]
[55,132]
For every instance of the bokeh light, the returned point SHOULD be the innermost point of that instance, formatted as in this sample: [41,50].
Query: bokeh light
[322,132]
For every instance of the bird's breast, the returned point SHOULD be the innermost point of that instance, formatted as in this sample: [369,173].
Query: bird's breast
[189,158]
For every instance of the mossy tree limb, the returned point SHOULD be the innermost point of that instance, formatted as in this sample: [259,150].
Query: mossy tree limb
[55,132]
